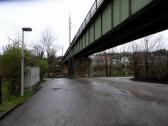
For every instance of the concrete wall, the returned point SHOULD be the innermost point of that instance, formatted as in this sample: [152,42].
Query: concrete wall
[32,76]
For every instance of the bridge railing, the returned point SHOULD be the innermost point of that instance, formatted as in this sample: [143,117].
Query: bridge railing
[90,14]
[87,19]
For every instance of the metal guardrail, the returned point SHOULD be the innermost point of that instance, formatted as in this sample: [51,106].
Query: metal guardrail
[87,19]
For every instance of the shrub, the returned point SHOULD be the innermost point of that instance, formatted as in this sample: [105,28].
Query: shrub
[43,64]
[11,65]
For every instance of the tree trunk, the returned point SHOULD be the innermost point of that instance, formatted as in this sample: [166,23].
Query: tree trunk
[135,65]
[146,57]
[48,60]
[146,64]
[106,66]
[110,72]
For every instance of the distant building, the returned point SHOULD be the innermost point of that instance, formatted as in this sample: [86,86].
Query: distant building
[125,60]
[101,59]
[116,61]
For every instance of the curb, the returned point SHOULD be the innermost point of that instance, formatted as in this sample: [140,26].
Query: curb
[18,105]
[11,110]
[35,91]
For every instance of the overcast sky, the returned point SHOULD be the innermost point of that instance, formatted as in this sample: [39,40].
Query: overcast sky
[39,14]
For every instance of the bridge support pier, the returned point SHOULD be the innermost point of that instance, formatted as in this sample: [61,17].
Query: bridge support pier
[78,67]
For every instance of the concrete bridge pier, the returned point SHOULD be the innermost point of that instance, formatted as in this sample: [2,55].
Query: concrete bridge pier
[78,67]
[65,69]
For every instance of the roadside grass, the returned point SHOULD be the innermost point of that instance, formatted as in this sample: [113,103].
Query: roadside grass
[10,101]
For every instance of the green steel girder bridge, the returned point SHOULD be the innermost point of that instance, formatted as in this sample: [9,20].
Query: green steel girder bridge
[110,23]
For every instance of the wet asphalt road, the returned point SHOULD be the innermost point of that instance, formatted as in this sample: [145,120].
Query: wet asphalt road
[94,102]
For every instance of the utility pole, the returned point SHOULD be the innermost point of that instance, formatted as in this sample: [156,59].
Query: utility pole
[62,50]
[69,29]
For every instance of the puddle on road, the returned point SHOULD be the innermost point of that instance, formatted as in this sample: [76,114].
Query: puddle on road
[106,91]
[161,86]
[124,92]
[56,89]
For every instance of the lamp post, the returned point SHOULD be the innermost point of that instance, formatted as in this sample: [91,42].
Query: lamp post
[22,62]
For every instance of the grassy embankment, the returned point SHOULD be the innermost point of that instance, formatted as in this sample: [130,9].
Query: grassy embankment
[11,101]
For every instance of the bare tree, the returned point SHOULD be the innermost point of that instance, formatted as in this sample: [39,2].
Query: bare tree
[111,58]
[106,62]
[112,53]
[52,56]
[124,54]
[136,49]
[15,39]
[150,43]
[48,43]
[38,50]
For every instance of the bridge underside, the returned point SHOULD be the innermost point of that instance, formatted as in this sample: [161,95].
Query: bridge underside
[151,19]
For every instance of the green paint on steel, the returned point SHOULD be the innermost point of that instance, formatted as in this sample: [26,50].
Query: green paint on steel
[91,33]
[76,48]
[124,9]
[87,37]
[139,4]
[83,42]
[73,51]
[80,44]
[115,13]
[106,19]
[98,28]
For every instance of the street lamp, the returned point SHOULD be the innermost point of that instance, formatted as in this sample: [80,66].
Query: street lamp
[22,62]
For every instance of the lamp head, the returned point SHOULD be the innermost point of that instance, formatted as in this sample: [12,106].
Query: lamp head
[27,29]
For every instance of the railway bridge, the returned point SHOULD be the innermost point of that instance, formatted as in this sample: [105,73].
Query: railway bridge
[110,23]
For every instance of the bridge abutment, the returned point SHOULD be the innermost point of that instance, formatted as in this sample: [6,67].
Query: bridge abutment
[78,67]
